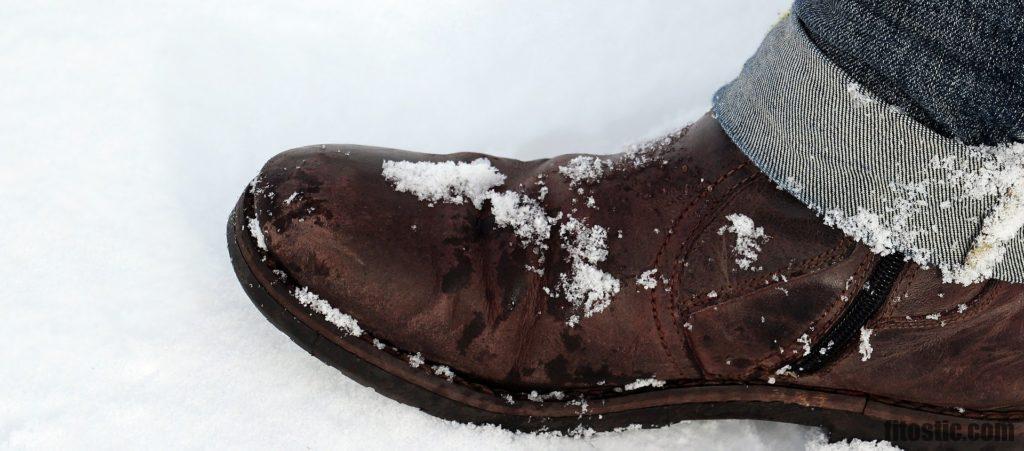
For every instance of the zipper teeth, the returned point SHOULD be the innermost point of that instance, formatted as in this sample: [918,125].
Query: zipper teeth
[867,302]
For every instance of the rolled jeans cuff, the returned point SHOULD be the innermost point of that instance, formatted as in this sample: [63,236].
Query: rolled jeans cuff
[870,169]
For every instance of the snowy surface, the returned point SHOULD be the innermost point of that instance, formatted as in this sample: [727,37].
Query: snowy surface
[128,129]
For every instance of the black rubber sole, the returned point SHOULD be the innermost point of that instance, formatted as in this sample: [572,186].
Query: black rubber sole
[804,407]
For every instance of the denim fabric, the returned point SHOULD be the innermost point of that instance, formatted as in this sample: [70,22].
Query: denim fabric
[867,167]
[956,66]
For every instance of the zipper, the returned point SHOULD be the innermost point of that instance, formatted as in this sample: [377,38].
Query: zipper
[864,306]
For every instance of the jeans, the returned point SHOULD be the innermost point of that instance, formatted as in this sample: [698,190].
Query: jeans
[876,121]
[956,66]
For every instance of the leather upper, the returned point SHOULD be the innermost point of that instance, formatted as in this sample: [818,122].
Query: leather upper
[446,281]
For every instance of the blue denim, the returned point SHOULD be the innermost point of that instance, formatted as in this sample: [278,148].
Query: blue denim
[874,171]
[956,66]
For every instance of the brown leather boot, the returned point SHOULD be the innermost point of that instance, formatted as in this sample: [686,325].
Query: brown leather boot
[671,282]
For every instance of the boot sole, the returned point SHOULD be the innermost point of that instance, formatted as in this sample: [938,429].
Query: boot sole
[842,416]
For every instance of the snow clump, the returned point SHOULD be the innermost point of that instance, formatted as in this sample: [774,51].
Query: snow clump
[257,234]
[334,316]
[586,286]
[749,239]
[865,344]
[643,383]
[584,169]
[447,181]
[647,280]
[523,215]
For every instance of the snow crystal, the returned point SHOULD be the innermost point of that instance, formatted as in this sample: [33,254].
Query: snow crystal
[882,236]
[589,287]
[523,215]
[639,155]
[378,344]
[443,371]
[806,342]
[257,234]
[771,380]
[537,397]
[586,286]
[860,95]
[446,181]
[749,239]
[573,321]
[961,308]
[583,169]
[291,198]
[865,344]
[712,294]
[582,403]
[416,360]
[334,316]
[850,445]
[933,316]
[643,383]
[988,171]
[826,348]
[581,432]
[254,186]
[647,280]
[792,185]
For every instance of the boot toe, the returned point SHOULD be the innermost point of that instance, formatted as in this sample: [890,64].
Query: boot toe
[342,234]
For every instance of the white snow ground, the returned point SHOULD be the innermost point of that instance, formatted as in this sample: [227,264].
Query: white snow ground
[128,128]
